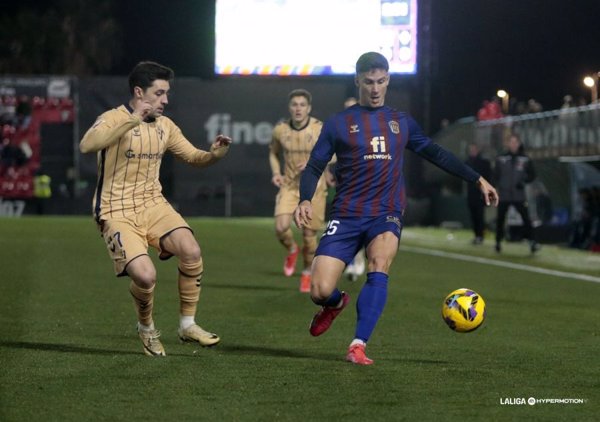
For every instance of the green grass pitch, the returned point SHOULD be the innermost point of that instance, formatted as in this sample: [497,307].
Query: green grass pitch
[69,349]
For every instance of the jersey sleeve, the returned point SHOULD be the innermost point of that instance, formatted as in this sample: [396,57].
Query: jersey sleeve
[107,130]
[274,151]
[325,145]
[320,155]
[434,153]
[417,140]
[183,149]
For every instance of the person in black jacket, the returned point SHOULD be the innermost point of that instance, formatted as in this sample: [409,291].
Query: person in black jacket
[513,170]
[474,201]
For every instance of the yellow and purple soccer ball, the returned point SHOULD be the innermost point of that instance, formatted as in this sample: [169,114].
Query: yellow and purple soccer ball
[463,310]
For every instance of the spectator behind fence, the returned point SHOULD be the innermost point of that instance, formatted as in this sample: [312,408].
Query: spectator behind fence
[474,201]
[512,171]
[490,110]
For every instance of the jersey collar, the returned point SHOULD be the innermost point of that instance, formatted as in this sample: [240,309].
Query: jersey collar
[300,128]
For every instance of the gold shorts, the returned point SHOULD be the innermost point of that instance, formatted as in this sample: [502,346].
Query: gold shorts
[287,200]
[128,237]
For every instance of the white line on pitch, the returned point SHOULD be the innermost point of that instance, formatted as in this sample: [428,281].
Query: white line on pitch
[523,267]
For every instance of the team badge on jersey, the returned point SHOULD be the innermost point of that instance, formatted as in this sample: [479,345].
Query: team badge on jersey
[394,126]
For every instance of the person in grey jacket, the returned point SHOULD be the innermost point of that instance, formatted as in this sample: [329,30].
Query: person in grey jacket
[513,170]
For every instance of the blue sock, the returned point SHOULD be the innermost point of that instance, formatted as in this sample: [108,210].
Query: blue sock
[332,301]
[370,304]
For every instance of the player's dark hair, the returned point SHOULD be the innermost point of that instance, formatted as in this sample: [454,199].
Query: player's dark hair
[145,73]
[301,93]
[370,61]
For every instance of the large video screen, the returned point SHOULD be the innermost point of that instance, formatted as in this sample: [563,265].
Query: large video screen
[313,37]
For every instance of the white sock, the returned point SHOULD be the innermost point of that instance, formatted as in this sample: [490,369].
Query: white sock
[357,341]
[186,321]
[143,327]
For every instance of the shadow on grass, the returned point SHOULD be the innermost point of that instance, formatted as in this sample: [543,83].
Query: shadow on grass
[64,348]
[257,287]
[420,361]
[69,348]
[236,349]
[243,349]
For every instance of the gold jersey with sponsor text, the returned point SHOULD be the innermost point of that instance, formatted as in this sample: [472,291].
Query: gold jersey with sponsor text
[295,146]
[129,167]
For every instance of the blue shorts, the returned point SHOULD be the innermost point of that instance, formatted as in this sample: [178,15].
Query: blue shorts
[344,237]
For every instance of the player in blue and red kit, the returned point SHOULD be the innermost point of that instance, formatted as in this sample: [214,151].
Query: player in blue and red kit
[369,140]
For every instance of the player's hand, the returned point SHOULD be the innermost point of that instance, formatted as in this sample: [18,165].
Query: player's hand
[303,214]
[141,108]
[220,146]
[490,196]
[277,180]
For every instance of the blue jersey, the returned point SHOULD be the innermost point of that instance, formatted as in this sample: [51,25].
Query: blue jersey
[369,144]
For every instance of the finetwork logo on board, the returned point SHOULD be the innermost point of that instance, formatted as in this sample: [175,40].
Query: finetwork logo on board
[240,132]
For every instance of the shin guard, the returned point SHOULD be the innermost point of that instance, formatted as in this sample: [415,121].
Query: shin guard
[190,284]
[143,300]
[310,246]
[286,238]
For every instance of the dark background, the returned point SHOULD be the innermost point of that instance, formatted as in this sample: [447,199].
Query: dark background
[537,49]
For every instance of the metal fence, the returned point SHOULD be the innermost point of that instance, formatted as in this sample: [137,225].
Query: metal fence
[562,143]
[566,132]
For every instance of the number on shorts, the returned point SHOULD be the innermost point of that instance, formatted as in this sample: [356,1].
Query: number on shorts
[332,227]
[111,241]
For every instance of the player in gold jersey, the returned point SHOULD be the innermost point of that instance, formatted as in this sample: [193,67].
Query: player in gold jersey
[129,207]
[293,141]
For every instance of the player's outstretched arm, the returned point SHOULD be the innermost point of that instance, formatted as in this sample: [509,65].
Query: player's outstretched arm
[490,195]
[220,146]
[303,214]
[183,149]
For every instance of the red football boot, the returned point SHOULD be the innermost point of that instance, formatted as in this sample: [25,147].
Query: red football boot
[356,354]
[324,318]
[289,266]
[305,282]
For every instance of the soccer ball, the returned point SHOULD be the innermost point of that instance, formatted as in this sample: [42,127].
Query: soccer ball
[463,310]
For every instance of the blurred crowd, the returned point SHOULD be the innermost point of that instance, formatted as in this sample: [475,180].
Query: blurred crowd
[20,147]
[18,134]
[493,108]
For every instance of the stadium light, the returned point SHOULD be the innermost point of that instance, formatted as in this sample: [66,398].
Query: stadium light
[592,83]
[505,97]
